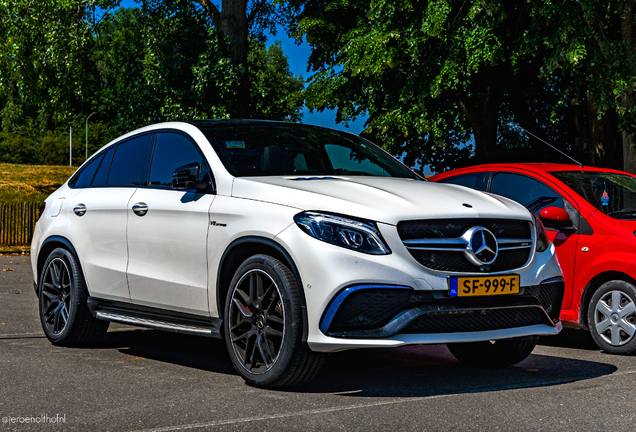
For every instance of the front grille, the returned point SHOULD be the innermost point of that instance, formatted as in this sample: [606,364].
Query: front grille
[452,261]
[476,320]
[513,236]
[452,228]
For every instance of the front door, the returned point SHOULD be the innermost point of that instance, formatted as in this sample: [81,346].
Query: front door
[167,233]
[535,195]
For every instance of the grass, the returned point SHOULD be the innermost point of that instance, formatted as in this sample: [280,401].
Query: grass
[33,183]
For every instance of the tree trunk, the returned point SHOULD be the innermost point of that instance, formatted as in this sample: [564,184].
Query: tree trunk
[482,111]
[629,153]
[628,30]
[231,24]
[234,29]
[603,133]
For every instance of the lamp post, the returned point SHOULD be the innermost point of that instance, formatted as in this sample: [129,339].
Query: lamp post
[70,144]
[89,116]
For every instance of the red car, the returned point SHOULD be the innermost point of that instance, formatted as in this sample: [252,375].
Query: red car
[590,217]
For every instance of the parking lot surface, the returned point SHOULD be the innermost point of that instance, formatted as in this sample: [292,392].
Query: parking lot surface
[147,380]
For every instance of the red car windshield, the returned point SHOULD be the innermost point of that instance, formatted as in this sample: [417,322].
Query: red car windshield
[613,194]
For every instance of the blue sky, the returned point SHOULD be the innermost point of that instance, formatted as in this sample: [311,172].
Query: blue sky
[298,55]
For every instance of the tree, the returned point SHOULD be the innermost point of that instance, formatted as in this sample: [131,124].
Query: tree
[431,71]
[431,74]
[594,43]
[276,92]
[133,67]
[237,22]
[168,65]
[42,61]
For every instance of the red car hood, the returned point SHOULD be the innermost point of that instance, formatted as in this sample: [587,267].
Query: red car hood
[629,223]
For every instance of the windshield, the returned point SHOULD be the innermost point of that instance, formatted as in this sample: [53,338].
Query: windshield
[613,194]
[251,149]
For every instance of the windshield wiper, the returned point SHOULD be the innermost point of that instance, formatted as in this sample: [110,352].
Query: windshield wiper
[346,171]
[624,212]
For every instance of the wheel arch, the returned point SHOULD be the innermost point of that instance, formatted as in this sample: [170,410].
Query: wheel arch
[594,284]
[46,248]
[241,249]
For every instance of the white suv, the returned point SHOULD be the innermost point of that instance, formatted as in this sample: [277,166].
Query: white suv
[288,241]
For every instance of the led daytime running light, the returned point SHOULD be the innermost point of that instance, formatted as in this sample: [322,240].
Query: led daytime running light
[361,236]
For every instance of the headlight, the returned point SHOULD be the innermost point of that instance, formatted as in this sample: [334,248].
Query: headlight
[358,235]
[542,237]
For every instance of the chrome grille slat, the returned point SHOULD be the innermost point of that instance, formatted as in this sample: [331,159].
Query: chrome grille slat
[445,247]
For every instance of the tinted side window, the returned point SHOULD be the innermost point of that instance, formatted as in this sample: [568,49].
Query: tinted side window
[473,180]
[85,177]
[173,150]
[527,191]
[102,172]
[128,162]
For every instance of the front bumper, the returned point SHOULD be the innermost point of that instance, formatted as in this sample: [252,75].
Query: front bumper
[382,311]
[328,344]
[324,280]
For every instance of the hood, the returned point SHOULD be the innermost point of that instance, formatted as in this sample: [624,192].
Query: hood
[381,199]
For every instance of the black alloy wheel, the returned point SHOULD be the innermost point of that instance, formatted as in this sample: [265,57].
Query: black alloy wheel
[65,317]
[56,295]
[257,321]
[263,325]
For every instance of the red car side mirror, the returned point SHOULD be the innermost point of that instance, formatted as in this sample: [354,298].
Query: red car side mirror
[555,217]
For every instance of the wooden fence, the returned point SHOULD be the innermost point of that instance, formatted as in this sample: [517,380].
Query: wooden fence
[17,222]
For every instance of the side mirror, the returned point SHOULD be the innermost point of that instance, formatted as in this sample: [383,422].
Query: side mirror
[187,177]
[555,217]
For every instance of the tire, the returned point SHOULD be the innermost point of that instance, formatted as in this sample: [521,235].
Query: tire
[263,326]
[492,354]
[611,317]
[62,293]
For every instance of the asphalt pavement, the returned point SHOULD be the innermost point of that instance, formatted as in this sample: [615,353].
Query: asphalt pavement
[147,380]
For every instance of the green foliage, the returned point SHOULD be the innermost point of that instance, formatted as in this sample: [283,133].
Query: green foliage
[431,74]
[415,67]
[154,67]
[276,92]
[594,43]
[18,149]
[133,67]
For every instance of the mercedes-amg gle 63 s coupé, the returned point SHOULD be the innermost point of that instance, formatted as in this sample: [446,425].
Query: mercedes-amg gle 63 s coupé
[288,241]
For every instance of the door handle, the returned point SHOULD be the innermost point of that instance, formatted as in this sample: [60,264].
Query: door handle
[140,208]
[80,209]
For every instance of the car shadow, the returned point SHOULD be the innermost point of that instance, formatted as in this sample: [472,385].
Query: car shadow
[190,351]
[411,371]
[420,371]
[571,338]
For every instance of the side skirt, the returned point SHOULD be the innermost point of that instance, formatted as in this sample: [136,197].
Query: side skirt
[155,318]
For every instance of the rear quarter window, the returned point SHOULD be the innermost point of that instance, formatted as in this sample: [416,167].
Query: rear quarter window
[127,167]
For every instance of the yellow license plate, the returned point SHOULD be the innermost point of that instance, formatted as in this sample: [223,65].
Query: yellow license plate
[484,285]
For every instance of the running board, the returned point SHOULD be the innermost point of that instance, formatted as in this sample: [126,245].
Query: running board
[154,318]
[158,325]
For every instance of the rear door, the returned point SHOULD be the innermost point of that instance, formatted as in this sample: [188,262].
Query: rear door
[98,216]
[167,243]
